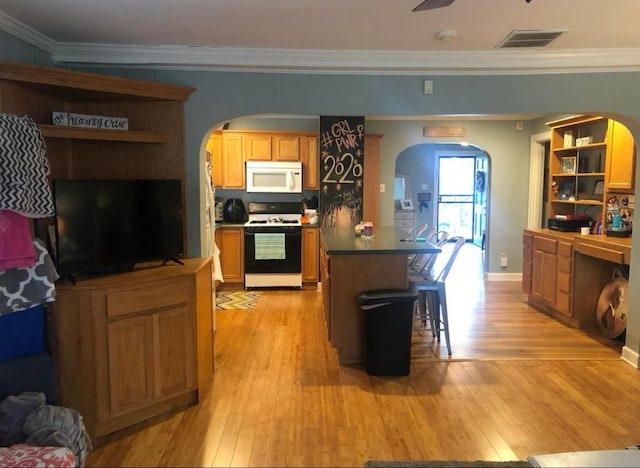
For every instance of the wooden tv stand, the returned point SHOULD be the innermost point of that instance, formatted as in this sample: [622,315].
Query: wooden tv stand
[135,345]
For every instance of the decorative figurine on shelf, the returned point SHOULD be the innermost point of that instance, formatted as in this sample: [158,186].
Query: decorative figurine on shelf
[554,187]
[627,214]
[612,209]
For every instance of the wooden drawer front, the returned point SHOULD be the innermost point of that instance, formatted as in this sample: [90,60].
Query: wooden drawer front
[544,244]
[565,265]
[123,301]
[564,282]
[565,249]
[563,302]
[615,256]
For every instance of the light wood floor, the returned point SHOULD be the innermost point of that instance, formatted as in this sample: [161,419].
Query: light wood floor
[518,383]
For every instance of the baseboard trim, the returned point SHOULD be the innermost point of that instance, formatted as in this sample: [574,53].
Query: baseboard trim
[631,357]
[503,276]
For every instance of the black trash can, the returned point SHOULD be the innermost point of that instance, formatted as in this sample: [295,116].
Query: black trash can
[388,324]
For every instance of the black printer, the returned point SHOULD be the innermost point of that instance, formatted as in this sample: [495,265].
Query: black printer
[572,224]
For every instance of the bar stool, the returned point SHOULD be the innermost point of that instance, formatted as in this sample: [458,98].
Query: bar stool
[432,297]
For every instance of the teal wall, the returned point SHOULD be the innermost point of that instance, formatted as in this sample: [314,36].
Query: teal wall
[222,96]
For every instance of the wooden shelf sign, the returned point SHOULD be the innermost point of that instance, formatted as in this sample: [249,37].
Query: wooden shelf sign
[447,131]
[70,119]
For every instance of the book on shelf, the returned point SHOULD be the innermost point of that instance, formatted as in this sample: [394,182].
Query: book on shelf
[571,216]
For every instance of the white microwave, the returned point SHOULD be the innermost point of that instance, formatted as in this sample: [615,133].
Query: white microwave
[274,177]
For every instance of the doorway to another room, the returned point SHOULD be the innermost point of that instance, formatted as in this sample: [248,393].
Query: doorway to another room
[449,188]
[462,199]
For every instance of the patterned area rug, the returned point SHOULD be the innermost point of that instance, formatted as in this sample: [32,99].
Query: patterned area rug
[234,300]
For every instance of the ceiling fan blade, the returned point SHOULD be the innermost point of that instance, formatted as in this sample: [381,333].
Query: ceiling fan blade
[431,4]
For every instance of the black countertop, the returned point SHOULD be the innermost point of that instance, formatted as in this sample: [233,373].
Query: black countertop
[385,240]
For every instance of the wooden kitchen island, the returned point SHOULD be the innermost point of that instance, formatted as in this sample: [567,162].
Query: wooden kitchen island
[351,265]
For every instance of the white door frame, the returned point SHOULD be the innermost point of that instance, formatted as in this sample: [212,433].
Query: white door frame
[536,179]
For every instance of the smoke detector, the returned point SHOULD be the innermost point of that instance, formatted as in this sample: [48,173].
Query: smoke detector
[446,35]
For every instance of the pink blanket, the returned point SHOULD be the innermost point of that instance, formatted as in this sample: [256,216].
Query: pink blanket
[16,244]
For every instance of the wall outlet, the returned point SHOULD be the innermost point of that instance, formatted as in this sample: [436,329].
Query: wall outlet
[504,261]
[428,87]
[382,188]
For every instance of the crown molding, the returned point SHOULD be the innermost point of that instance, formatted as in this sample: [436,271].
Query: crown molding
[499,61]
[352,61]
[25,33]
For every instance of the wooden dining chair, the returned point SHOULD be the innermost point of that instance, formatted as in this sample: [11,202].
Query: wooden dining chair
[430,285]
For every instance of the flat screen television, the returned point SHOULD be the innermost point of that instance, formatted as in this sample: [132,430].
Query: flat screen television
[106,226]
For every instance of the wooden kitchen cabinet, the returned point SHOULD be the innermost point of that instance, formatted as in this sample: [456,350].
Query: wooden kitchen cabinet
[310,162]
[621,158]
[564,277]
[271,147]
[230,241]
[133,346]
[232,166]
[547,272]
[310,255]
[543,270]
[568,271]
[527,262]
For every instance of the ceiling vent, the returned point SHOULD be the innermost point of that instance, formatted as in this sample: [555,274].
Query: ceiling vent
[530,38]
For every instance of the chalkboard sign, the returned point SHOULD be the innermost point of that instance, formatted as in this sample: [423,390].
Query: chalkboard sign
[341,170]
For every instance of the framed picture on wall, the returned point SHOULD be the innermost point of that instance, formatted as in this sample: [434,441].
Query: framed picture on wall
[568,165]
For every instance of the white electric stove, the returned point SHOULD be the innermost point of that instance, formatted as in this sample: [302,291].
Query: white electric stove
[273,245]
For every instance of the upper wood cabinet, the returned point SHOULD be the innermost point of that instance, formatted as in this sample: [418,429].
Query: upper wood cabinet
[214,147]
[232,161]
[228,171]
[261,146]
[621,156]
[310,162]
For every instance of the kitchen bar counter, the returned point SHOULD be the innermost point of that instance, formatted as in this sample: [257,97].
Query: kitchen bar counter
[350,266]
[386,240]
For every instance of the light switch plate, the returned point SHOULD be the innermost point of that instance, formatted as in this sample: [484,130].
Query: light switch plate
[382,188]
